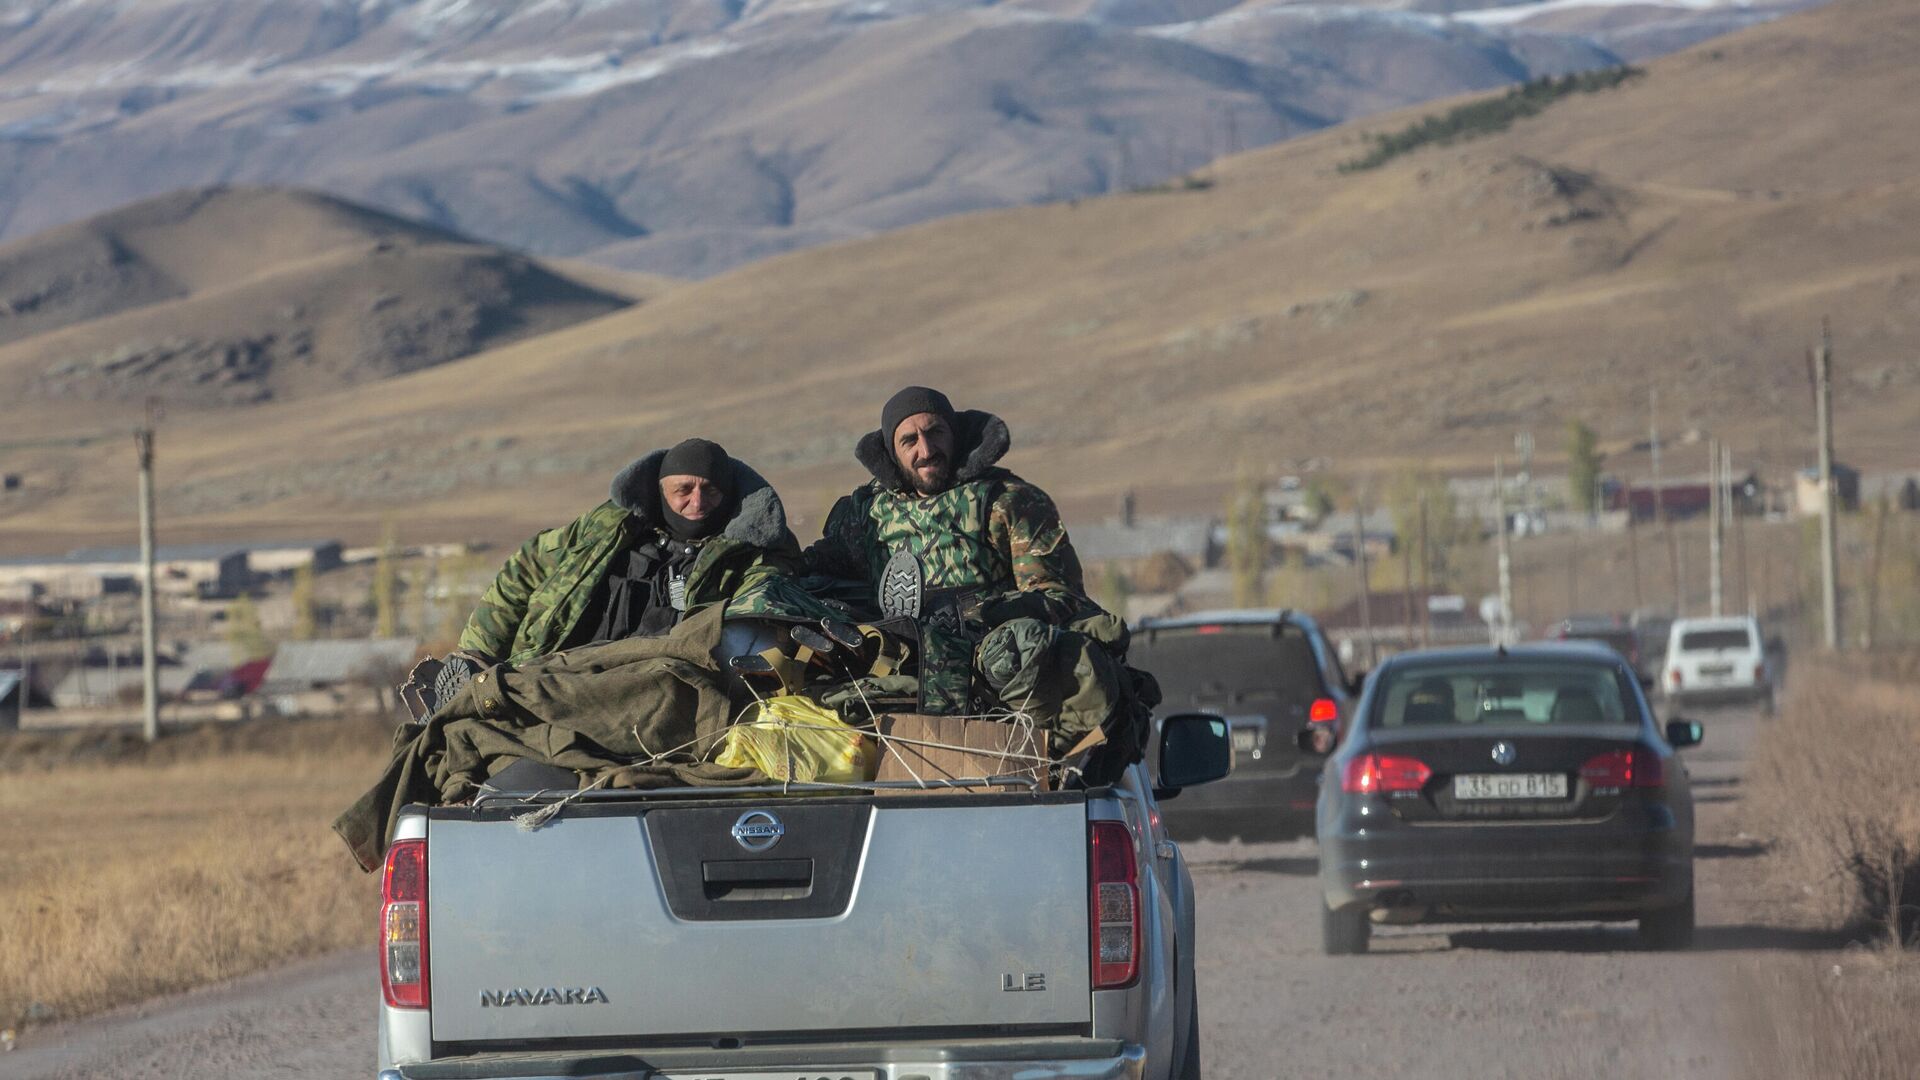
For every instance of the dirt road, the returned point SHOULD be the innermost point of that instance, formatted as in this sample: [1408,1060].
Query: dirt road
[1528,1003]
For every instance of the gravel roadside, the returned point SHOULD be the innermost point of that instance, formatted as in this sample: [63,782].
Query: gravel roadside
[1529,1002]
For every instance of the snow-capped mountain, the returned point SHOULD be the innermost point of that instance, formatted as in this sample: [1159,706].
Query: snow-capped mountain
[689,135]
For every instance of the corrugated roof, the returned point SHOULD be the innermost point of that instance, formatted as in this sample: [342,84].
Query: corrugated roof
[300,664]
[1112,540]
[100,686]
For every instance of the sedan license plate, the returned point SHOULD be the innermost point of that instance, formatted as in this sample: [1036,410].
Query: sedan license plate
[1510,786]
[789,1074]
[1246,739]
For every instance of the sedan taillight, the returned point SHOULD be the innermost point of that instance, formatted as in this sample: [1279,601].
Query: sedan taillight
[1371,773]
[1636,767]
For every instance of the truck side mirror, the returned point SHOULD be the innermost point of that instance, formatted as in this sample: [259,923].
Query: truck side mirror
[1684,733]
[1195,748]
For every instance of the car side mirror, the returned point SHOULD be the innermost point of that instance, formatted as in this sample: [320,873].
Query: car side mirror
[1195,748]
[1684,733]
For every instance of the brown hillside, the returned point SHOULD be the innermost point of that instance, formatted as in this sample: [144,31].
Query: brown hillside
[233,296]
[1686,232]
[168,247]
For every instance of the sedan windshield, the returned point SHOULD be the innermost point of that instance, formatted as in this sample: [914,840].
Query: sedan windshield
[1501,692]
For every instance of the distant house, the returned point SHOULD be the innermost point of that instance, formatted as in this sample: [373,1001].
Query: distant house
[1808,491]
[91,687]
[280,557]
[300,666]
[245,679]
[1190,538]
[1681,497]
[185,569]
[1443,618]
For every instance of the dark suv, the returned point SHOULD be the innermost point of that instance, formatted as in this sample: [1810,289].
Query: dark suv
[1273,675]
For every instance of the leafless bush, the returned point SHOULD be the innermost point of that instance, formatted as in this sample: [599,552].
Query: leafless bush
[1834,779]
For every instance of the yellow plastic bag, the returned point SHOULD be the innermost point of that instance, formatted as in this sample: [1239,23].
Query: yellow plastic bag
[792,738]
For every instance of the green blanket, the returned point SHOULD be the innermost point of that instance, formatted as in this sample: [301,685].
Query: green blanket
[658,700]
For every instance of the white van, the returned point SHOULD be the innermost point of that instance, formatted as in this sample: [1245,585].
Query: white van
[1717,660]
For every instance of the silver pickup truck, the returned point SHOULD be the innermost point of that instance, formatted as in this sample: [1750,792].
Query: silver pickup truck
[861,933]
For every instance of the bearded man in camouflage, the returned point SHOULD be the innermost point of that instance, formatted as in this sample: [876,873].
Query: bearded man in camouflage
[938,493]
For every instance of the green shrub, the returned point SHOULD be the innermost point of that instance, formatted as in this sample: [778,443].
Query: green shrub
[1487,115]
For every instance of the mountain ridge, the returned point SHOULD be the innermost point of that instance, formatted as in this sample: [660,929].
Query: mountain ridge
[1418,315]
[565,126]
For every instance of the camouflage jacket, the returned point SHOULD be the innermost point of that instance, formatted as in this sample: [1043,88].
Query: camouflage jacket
[990,531]
[535,604]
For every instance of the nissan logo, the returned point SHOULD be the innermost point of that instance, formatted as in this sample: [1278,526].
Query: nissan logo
[1503,753]
[758,830]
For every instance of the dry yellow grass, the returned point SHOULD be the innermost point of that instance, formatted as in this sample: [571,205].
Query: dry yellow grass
[125,874]
[1850,1020]
[1832,782]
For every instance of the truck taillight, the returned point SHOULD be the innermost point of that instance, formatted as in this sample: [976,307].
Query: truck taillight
[403,926]
[1324,710]
[1624,768]
[1373,773]
[1114,906]
[1759,673]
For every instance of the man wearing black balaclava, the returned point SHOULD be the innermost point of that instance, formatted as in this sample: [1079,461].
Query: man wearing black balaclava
[685,528]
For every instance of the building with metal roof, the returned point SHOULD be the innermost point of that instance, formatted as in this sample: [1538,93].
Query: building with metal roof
[312,665]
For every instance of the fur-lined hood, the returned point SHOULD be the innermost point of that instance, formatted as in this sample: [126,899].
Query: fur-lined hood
[980,440]
[760,521]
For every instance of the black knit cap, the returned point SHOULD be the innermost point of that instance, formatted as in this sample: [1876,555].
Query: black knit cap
[913,401]
[698,457]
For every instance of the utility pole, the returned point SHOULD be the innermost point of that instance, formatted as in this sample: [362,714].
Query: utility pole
[1829,539]
[1715,502]
[1406,592]
[1573,583]
[1506,555]
[26,675]
[1633,546]
[1523,444]
[1426,589]
[1739,532]
[1659,495]
[1366,589]
[149,674]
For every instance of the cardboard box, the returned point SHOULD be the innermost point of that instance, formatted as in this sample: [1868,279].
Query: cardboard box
[917,747]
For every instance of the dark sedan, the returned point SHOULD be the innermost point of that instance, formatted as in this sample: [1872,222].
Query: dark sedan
[1483,785]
